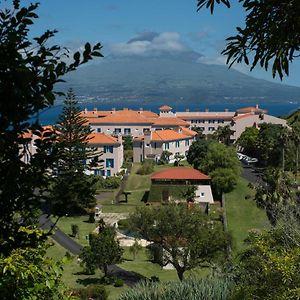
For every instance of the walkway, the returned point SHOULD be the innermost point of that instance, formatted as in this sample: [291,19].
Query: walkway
[129,278]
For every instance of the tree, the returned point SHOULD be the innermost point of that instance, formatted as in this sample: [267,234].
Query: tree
[187,236]
[197,152]
[223,134]
[26,273]
[248,141]
[276,193]
[71,184]
[189,193]
[127,144]
[271,34]
[268,268]
[104,250]
[28,71]
[165,157]
[135,248]
[178,158]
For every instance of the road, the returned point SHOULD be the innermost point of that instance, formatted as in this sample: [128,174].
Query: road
[250,174]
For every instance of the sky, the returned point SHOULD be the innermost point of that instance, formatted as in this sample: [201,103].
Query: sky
[140,27]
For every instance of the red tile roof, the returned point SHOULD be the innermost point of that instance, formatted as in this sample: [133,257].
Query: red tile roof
[101,138]
[188,131]
[165,108]
[169,121]
[122,117]
[168,135]
[251,109]
[179,173]
[243,116]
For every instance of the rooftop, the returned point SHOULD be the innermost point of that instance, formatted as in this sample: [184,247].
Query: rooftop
[179,173]
[168,135]
[101,138]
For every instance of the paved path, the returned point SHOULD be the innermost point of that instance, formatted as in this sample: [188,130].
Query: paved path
[129,278]
[251,174]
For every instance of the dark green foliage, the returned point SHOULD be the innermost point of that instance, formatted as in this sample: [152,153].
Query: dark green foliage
[122,224]
[95,292]
[75,230]
[103,250]
[271,34]
[269,267]
[28,72]
[109,183]
[72,190]
[165,157]
[248,141]
[146,168]
[223,134]
[189,289]
[217,160]
[118,282]
[127,143]
[187,236]
[176,192]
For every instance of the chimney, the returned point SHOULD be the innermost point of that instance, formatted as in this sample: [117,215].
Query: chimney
[226,110]
[95,109]
[113,110]
[85,110]
[206,110]
[256,106]
[141,109]
[187,110]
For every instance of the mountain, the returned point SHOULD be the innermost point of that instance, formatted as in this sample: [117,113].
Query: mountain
[170,79]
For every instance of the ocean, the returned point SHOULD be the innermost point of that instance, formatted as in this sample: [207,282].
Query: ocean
[50,115]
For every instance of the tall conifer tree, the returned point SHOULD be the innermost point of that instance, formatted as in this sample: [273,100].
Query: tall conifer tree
[73,191]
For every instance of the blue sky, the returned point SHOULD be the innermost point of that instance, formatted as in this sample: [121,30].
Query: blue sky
[175,24]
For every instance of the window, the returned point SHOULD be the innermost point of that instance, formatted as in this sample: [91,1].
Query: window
[211,128]
[154,145]
[96,172]
[109,163]
[202,194]
[108,149]
[167,146]
[177,143]
[108,173]
[127,131]
[146,129]
[220,121]
[201,121]
[187,142]
[102,172]
[98,130]
[211,121]
[117,130]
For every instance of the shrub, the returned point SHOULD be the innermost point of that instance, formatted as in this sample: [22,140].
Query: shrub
[95,292]
[123,223]
[119,282]
[91,217]
[146,168]
[75,230]
[108,183]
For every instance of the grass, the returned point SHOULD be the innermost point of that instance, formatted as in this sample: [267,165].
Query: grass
[85,228]
[73,277]
[243,215]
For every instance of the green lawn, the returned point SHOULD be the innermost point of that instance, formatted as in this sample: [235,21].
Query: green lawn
[73,276]
[242,214]
[85,228]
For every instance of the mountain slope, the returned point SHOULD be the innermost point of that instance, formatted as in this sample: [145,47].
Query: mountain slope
[172,79]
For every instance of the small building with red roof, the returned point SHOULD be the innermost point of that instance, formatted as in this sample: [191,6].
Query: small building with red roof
[170,183]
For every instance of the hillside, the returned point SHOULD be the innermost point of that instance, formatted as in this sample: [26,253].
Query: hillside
[170,79]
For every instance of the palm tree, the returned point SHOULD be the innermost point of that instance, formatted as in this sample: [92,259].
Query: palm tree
[223,134]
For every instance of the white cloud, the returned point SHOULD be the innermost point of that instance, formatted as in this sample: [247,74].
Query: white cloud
[158,43]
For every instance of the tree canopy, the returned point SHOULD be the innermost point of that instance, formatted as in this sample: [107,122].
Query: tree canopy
[270,36]
[187,237]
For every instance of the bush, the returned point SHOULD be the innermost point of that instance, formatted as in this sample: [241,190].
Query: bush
[75,230]
[95,292]
[123,223]
[108,183]
[146,168]
[91,217]
[119,282]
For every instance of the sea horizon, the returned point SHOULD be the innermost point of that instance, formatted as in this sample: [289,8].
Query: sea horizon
[50,115]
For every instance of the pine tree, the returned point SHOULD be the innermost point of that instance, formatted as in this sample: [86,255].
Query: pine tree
[73,191]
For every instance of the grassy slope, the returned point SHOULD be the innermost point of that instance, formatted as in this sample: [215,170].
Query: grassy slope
[242,214]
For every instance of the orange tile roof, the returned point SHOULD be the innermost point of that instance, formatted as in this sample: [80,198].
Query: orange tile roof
[251,109]
[238,117]
[179,173]
[95,114]
[101,138]
[122,117]
[167,135]
[165,121]
[188,131]
[165,107]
